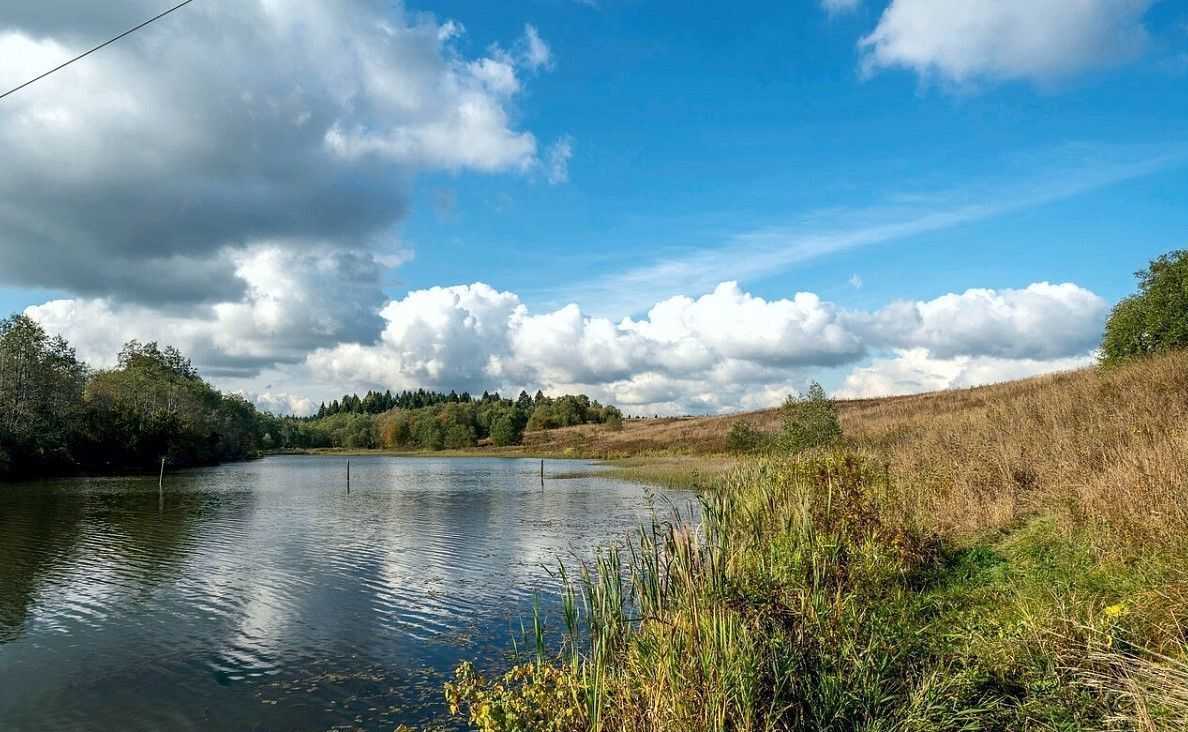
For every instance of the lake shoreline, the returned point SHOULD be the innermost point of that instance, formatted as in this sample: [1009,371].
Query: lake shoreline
[698,472]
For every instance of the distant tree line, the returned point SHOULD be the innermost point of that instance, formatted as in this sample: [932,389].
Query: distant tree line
[58,415]
[374,402]
[423,420]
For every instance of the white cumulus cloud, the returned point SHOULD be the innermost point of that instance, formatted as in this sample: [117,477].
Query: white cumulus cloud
[474,336]
[726,349]
[1040,321]
[910,371]
[286,347]
[964,41]
[297,297]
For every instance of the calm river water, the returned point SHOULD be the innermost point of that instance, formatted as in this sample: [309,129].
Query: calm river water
[262,596]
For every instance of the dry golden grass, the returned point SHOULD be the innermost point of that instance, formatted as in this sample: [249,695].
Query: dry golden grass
[1097,445]
[667,436]
[1090,445]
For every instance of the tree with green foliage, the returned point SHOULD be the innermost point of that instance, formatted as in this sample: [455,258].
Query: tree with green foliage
[570,410]
[150,357]
[809,420]
[1156,318]
[542,417]
[155,405]
[507,426]
[41,397]
[463,421]
[56,416]
[458,436]
[428,433]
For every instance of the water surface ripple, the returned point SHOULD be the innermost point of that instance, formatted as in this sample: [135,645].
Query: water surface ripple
[262,596]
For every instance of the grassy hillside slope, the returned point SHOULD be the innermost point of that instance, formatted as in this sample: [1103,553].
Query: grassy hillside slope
[1006,558]
[896,422]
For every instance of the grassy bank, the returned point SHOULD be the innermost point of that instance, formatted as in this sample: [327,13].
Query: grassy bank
[695,472]
[669,470]
[1009,558]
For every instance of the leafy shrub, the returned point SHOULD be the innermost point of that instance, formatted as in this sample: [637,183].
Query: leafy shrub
[458,437]
[744,438]
[810,420]
[528,697]
[507,428]
[614,420]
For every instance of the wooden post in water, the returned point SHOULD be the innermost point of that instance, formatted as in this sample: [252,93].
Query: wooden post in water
[161,484]
[348,476]
[542,473]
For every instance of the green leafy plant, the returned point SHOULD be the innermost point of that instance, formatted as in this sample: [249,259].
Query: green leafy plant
[809,420]
[745,438]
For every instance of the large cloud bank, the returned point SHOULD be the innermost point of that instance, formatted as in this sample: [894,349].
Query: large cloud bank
[724,350]
[233,145]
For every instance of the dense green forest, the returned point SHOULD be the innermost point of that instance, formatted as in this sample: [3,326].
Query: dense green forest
[424,420]
[57,415]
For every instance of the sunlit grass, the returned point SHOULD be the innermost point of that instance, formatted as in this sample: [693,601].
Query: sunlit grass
[1000,559]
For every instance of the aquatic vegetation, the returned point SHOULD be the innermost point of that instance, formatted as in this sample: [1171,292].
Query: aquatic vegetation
[529,696]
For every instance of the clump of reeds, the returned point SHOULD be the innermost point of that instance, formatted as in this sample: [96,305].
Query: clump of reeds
[751,621]
[814,594]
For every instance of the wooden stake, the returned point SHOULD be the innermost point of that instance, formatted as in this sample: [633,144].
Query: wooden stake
[348,476]
[542,473]
[161,486]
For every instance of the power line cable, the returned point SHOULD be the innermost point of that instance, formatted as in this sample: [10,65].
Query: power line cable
[128,32]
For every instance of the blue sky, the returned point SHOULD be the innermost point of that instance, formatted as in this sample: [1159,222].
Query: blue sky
[886,157]
[692,127]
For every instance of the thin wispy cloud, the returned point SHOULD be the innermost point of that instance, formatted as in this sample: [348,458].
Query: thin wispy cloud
[838,7]
[756,255]
[557,160]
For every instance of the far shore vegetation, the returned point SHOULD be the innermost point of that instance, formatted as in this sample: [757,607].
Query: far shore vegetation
[58,416]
